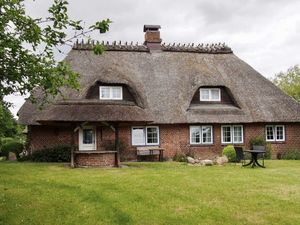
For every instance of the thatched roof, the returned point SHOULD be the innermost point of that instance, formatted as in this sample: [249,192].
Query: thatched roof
[164,83]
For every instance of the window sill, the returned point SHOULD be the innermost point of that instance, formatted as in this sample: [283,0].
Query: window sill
[201,145]
[276,142]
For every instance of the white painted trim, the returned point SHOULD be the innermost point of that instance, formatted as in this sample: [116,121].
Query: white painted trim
[283,132]
[232,134]
[273,130]
[209,95]
[201,135]
[87,147]
[145,136]
[110,92]
[222,135]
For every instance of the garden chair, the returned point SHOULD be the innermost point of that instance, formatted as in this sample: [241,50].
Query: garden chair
[240,156]
[262,148]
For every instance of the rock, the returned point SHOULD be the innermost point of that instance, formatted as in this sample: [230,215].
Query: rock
[222,160]
[3,158]
[190,160]
[197,161]
[207,162]
[12,156]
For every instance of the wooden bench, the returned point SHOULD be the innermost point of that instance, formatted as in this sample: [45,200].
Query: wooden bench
[150,150]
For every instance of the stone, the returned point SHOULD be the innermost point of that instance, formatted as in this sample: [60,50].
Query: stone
[222,160]
[190,160]
[2,158]
[12,156]
[207,162]
[197,161]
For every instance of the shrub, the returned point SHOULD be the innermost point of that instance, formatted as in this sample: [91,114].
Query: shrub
[60,153]
[12,146]
[257,141]
[291,154]
[180,157]
[261,142]
[229,151]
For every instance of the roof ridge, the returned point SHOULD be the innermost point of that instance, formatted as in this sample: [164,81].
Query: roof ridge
[213,48]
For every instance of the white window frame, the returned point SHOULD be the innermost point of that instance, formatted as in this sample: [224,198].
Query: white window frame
[274,128]
[231,134]
[110,92]
[201,135]
[210,95]
[145,136]
[87,147]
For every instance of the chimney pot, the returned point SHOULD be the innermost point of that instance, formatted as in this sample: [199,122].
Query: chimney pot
[152,37]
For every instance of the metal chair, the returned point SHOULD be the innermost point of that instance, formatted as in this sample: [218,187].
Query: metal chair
[239,155]
[262,148]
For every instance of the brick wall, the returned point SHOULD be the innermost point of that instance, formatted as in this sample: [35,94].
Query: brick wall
[95,159]
[174,138]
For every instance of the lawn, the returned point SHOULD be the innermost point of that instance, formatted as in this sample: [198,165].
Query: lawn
[150,193]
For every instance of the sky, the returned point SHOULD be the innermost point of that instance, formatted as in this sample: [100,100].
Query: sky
[265,34]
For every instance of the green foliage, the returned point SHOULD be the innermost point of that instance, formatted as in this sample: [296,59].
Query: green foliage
[27,49]
[229,151]
[180,157]
[292,154]
[260,140]
[12,146]
[8,125]
[289,81]
[60,153]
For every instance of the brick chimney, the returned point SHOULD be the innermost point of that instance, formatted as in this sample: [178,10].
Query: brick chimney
[152,37]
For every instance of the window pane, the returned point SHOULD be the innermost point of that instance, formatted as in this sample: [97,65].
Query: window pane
[105,92]
[215,94]
[152,135]
[88,136]
[237,134]
[116,92]
[206,134]
[195,135]
[279,133]
[226,134]
[138,136]
[204,94]
[270,133]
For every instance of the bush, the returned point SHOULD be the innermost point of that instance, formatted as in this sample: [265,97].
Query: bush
[60,153]
[12,146]
[180,157]
[261,142]
[229,151]
[257,141]
[291,154]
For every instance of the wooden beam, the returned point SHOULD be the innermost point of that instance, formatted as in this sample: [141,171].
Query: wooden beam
[117,145]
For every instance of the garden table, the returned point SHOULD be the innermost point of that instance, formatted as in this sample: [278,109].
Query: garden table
[253,162]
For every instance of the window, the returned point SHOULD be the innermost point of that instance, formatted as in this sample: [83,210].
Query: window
[201,135]
[87,138]
[210,94]
[145,135]
[275,133]
[111,92]
[232,134]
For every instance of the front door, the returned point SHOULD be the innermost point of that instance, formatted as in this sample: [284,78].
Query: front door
[87,139]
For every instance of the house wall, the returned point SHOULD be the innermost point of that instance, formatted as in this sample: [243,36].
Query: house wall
[174,138]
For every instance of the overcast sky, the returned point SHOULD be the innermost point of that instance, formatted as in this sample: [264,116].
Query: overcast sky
[265,34]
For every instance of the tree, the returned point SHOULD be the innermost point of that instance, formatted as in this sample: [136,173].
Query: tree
[8,125]
[27,48]
[289,81]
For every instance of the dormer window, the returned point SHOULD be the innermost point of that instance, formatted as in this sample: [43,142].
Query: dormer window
[111,93]
[210,94]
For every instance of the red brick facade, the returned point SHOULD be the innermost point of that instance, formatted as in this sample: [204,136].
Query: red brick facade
[173,138]
[95,159]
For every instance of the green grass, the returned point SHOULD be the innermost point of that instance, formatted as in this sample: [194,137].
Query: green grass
[150,193]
